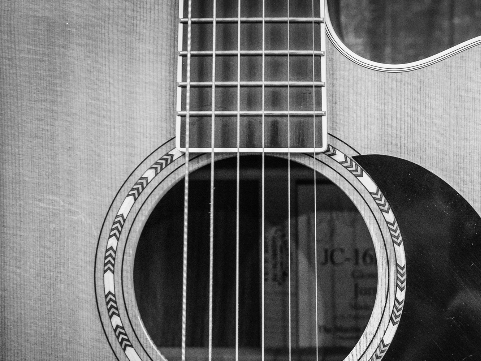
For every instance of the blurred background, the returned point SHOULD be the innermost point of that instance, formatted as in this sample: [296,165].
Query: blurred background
[404,30]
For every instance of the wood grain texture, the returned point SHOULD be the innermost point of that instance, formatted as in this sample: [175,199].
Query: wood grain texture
[429,116]
[87,91]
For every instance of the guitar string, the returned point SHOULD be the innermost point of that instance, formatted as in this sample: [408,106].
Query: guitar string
[263,187]
[289,184]
[237,185]
[315,176]
[212,166]
[186,183]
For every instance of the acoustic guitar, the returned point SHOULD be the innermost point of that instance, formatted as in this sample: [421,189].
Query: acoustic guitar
[217,180]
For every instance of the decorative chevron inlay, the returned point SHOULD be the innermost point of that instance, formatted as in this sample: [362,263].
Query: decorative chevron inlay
[109,261]
[162,163]
[397,311]
[401,277]
[380,201]
[111,250]
[395,232]
[112,305]
[122,337]
[117,226]
[120,327]
[380,351]
[138,187]
[352,166]
[347,162]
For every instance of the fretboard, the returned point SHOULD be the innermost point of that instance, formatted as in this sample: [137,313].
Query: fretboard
[251,78]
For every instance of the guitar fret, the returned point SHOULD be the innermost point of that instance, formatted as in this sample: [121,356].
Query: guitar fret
[203,113]
[254,84]
[254,52]
[254,20]
[252,75]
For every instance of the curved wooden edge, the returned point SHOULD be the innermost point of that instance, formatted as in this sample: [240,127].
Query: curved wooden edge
[395,68]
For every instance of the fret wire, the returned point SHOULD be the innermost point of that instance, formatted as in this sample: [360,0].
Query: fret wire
[251,113]
[263,186]
[315,183]
[254,84]
[254,52]
[289,183]
[186,185]
[255,20]
[211,217]
[238,181]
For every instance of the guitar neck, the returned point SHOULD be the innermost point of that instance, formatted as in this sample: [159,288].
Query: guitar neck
[252,82]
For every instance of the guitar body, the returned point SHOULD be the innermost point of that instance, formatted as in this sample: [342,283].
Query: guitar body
[426,116]
[88,93]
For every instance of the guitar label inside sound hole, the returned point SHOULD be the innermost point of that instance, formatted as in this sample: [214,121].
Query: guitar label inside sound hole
[346,266]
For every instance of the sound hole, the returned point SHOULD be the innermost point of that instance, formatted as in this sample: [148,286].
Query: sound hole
[346,266]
